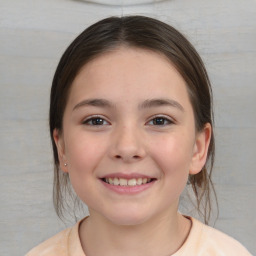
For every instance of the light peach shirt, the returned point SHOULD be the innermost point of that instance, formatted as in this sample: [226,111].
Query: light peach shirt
[202,241]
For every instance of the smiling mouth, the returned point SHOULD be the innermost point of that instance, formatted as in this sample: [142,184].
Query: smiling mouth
[128,182]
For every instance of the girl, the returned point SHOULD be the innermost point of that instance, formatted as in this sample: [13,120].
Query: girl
[131,124]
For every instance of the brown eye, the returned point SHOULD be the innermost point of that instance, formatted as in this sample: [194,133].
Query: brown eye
[95,121]
[160,121]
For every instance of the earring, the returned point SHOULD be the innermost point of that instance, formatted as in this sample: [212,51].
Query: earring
[65,164]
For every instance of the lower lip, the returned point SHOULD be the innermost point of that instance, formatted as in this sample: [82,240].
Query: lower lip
[128,189]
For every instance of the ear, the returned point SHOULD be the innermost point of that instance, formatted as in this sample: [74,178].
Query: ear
[59,142]
[200,151]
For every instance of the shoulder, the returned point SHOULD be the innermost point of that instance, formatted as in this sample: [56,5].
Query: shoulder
[215,242]
[65,243]
[56,245]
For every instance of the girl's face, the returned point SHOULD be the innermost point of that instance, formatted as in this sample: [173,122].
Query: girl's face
[129,137]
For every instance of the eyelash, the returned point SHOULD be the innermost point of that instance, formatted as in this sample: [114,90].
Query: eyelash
[163,118]
[89,121]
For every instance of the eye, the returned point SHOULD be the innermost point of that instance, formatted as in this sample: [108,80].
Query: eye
[95,121]
[160,121]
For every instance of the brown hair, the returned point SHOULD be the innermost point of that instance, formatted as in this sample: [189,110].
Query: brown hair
[141,32]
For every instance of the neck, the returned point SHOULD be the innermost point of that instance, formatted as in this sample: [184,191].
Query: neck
[161,236]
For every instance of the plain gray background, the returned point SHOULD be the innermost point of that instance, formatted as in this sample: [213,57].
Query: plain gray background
[34,34]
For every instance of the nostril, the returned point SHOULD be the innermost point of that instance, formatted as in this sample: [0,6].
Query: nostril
[134,157]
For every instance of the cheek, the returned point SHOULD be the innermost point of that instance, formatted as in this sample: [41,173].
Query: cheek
[173,155]
[84,153]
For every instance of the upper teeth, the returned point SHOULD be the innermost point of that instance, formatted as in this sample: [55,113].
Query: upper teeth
[126,182]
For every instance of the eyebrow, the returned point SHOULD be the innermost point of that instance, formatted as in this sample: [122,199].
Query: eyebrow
[95,103]
[103,103]
[161,102]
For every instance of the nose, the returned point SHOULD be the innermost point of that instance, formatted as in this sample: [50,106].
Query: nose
[127,144]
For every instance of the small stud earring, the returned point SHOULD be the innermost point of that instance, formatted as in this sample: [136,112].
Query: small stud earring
[65,164]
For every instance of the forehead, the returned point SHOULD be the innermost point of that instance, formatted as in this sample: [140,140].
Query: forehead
[127,67]
[127,78]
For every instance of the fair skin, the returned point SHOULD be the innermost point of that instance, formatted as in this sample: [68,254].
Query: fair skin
[128,117]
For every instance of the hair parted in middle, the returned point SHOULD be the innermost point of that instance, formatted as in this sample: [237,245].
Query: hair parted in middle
[145,33]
